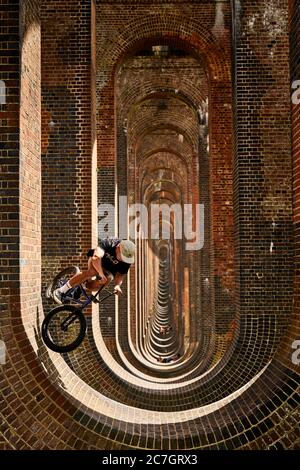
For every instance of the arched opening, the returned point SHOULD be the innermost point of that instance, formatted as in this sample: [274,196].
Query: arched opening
[164,130]
[226,390]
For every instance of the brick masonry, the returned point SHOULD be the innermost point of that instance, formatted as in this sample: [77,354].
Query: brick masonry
[10,280]
[68,137]
[293,332]
[264,230]
[138,78]
[74,73]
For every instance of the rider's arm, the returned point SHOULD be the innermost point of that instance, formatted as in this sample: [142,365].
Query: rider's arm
[118,282]
[119,279]
[120,276]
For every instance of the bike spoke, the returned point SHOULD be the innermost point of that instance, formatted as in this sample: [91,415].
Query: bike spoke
[68,321]
[64,328]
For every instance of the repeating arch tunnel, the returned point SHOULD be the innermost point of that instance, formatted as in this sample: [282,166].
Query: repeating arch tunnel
[159,107]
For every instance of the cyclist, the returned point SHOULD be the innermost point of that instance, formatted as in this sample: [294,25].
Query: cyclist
[110,260]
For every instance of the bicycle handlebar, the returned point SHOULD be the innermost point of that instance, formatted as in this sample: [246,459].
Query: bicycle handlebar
[109,295]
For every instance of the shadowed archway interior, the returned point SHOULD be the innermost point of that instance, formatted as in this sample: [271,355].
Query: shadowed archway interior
[138,104]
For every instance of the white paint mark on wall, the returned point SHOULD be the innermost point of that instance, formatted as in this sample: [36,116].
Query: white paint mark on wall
[219,18]
[296,94]
[2,92]
[275,19]
[2,352]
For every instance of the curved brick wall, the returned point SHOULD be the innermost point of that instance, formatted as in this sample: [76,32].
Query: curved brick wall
[89,107]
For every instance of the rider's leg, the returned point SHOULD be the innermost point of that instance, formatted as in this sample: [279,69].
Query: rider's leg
[74,281]
[92,270]
[83,276]
[92,285]
[95,263]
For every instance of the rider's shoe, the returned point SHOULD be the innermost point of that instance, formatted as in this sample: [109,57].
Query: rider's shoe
[57,296]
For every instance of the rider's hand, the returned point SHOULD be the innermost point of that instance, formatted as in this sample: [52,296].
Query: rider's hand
[118,290]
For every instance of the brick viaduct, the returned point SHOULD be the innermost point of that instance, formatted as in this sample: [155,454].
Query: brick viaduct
[175,102]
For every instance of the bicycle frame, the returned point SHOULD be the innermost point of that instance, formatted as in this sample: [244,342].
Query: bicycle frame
[89,298]
[74,301]
[71,318]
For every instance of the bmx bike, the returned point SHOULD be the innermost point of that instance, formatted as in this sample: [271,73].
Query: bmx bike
[64,328]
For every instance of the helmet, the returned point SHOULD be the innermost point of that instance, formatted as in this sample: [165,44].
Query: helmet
[127,250]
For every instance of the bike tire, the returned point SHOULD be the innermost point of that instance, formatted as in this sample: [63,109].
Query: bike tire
[65,273]
[46,334]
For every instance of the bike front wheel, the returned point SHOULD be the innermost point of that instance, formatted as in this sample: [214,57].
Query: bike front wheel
[63,329]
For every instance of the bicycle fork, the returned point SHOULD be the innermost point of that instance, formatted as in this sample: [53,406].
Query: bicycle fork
[72,317]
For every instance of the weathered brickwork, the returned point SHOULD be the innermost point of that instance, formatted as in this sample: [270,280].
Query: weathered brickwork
[68,137]
[10,134]
[30,161]
[293,333]
[91,112]
[295,74]
[142,104]
[264,229]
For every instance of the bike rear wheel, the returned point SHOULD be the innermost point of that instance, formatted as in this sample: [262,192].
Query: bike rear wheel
[60,279]
[63,329]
